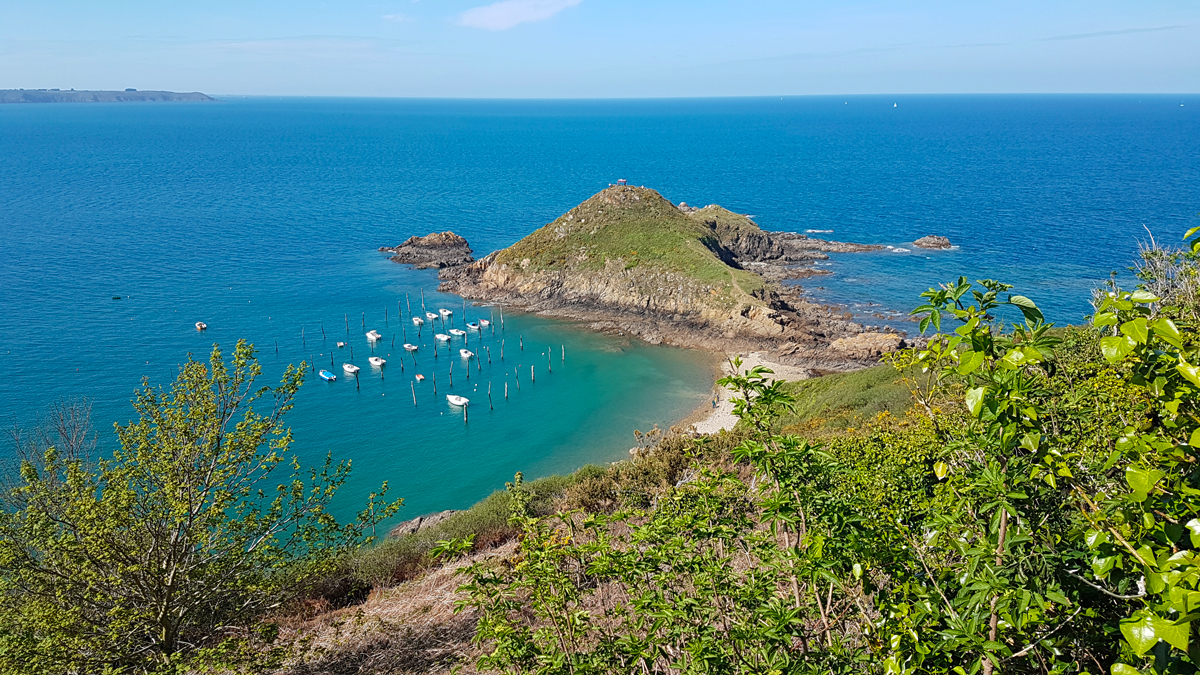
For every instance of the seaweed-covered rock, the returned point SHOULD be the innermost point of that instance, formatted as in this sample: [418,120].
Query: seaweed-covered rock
[437,250]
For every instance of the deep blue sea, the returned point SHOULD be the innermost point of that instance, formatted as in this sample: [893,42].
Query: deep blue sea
[262,218]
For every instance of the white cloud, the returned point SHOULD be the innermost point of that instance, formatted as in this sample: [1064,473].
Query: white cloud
[508,13]
[398,18]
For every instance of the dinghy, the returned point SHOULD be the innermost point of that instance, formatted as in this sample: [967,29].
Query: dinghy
[466,353]
[200,325]
[445,312]
[327,376]
[410,347]
[341,344]
[376,361]
[457,400]
[442,336]
[419,378]
[418,321]
[458,332]
[485,323]
[374,336]
[431,316]
[472,325]
[350,368]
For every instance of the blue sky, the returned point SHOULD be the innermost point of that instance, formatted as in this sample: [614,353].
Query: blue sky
[600,48]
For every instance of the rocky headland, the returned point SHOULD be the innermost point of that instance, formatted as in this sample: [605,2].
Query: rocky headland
[82,96]
[437,250]
[629,261]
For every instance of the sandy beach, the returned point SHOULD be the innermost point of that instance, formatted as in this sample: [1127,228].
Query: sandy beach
[710,418]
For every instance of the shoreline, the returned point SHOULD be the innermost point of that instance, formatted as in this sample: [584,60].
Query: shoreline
[716,414]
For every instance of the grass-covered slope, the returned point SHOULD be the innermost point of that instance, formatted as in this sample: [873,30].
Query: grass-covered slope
[841,400]
[634,229]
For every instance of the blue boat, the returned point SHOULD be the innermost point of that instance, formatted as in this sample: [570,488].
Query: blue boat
[473,326]
[327,376]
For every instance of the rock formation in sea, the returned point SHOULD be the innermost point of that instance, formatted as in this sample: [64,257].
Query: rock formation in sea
[933,242]
[437,250]
[628,261]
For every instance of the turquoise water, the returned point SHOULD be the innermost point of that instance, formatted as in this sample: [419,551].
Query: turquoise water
[261,217]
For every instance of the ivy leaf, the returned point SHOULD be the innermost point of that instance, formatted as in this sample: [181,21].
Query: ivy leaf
[1189,372]
[1143,297]
[1140,633]
[1193,527]
[1124,669]
[1194,440]
[1168,331]
[1104,319]
[974,400]
[1175,633]
[1142,481]
[1137,330]
[1115,349]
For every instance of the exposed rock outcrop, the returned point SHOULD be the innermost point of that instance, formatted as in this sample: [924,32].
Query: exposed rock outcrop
[419,523]
[933,242]
[867,346]
[437,250]
[798,245]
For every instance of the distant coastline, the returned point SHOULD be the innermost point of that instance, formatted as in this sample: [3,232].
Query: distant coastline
[84,96]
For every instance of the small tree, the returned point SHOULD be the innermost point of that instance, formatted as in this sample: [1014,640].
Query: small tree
[177,546]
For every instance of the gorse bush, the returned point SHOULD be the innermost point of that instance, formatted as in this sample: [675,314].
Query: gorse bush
[1037,512]
[170,554]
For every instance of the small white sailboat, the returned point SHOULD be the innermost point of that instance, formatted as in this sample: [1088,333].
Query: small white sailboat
[458,331]
[374,336]
[350,368]
[472,325]
[457,400]
[200,325]
[431,316]
[485,323]
[376,361]
[445,312]
[410,347]
[341,344]
[466,353]
[442,336]
[418,321]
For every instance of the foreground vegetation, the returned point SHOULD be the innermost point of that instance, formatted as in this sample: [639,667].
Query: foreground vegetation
[1004,499]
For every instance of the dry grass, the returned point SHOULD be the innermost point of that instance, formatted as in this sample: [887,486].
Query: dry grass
[410,628]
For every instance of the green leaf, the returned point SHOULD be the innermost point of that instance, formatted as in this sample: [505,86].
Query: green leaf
[1123,669]
[1194,440]
[970,362]
[974,400]
[1139,633]
[1143,297]
[941,470]
[1166,329]
[1136,329]
[1104,319]
[1175,634]
[1189,233]
[1032,314]
[1115,349]
[1142,481]
[1193,527]
[1189,372]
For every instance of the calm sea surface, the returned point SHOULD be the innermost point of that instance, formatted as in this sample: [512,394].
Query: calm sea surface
[261,217]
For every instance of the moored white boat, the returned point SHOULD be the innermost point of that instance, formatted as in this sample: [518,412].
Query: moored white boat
[418,321]
[485,323]
[466,353]
[350,368]
[200,325]
[457,331]
[457,400]
[472,325]
[341,344]
[327,376]
[445,312]
[410,347]
[442,336]
[431,316]
[374,336]
[376,360]
[419,377]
